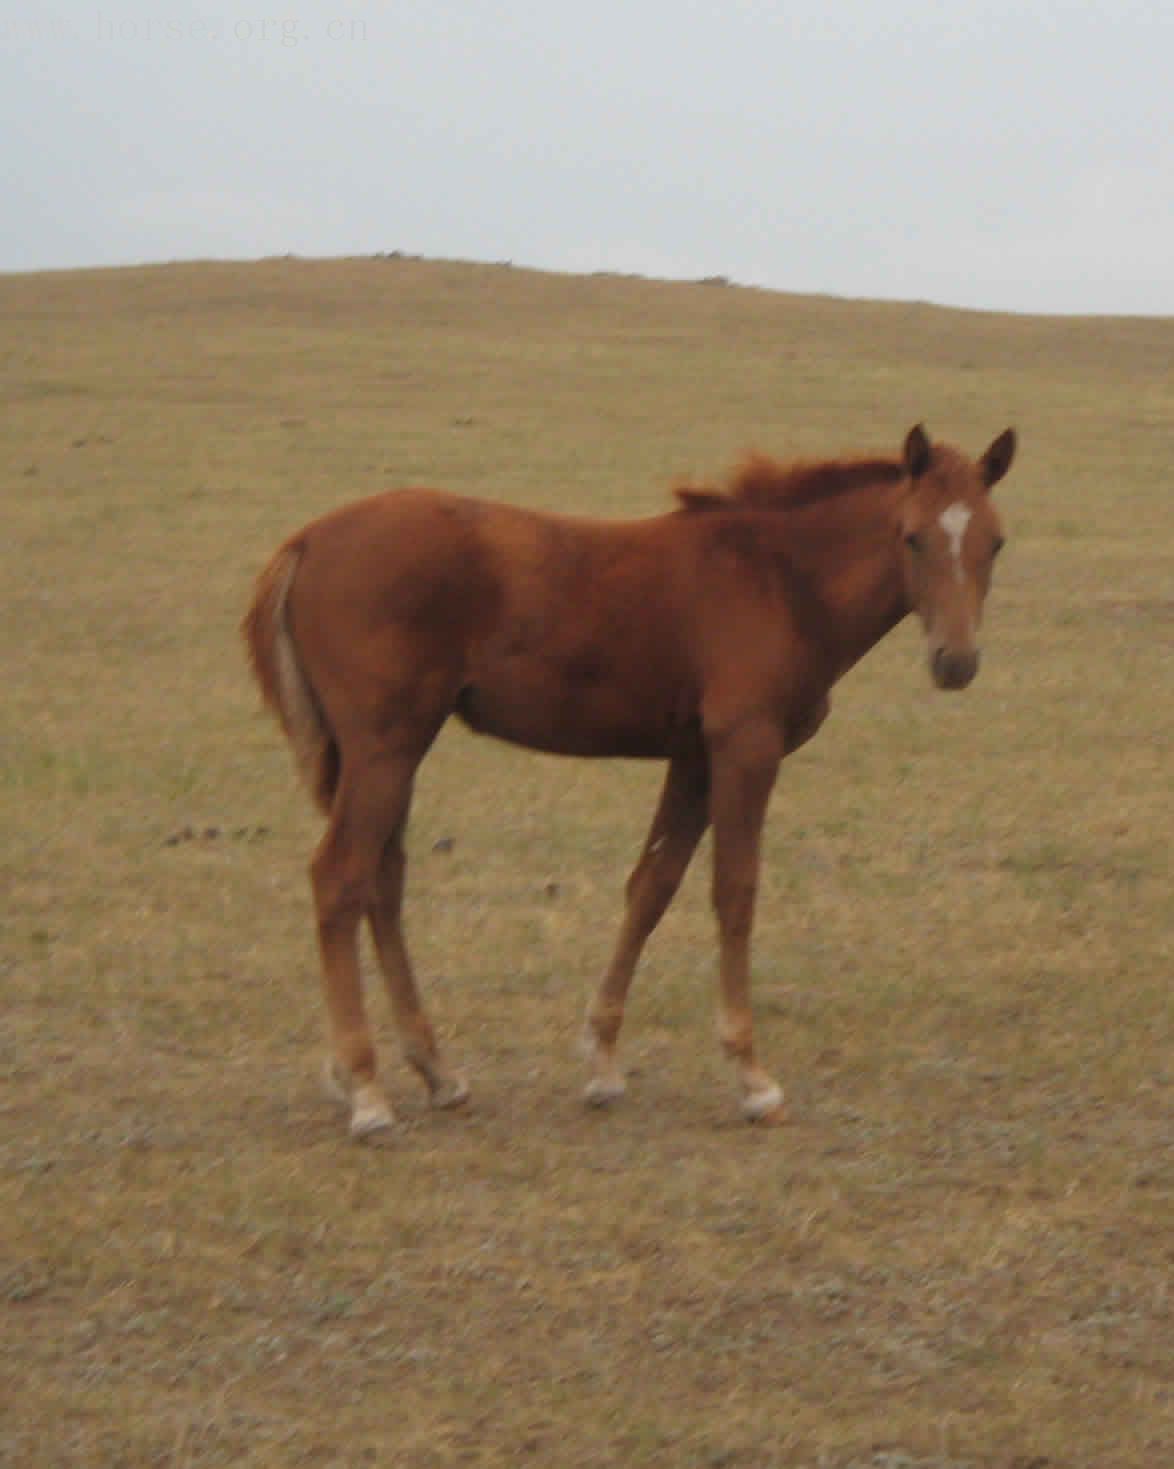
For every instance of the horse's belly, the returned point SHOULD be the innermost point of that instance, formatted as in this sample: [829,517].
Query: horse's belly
[569,720]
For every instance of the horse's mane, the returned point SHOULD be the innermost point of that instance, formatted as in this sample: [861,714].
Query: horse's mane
[762,483]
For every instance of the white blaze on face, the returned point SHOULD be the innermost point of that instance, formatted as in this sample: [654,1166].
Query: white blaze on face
[954,521]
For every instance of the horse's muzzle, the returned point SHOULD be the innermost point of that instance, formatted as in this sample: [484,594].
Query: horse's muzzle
[953,670]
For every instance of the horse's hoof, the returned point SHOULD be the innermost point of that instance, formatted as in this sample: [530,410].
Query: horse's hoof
[371,1115]
[602,1091]
[764,1107]
[453,1091]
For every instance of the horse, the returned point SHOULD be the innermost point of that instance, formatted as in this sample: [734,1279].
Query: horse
[708,636]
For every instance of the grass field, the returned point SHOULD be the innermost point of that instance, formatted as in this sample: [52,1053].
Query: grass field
[959,1250]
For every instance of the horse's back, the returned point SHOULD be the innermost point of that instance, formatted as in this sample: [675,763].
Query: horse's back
[420,553]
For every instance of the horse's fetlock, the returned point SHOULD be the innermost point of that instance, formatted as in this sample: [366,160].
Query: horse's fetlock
[603,1024]
[736,1033]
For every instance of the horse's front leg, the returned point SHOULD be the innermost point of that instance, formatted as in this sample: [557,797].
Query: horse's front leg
[680,820]
[743,764]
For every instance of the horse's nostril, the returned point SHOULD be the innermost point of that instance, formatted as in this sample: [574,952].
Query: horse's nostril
[953,670]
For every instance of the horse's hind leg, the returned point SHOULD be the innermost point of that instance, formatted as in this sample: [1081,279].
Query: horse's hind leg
[359,871]
[415,1030]
[343,878]
[679,823]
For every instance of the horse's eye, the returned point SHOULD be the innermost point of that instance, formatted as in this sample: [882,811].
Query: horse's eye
[913,541]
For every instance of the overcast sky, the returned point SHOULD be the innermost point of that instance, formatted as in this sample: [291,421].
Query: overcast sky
[974,152]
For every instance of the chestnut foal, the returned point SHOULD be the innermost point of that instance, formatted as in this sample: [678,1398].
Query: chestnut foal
[708,637]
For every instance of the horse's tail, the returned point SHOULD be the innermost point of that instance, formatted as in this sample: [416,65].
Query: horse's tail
[284,686]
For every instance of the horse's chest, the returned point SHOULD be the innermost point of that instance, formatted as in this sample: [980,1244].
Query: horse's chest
[803,719]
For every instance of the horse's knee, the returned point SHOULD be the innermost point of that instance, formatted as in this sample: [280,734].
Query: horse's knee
[341,893]
[662,889]
[733,902]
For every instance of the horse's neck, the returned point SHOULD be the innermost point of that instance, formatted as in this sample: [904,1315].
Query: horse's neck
[874,603]
[848,553]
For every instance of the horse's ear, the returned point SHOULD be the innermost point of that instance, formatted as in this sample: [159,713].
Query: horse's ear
[693,498]
[916,452]
[995,463]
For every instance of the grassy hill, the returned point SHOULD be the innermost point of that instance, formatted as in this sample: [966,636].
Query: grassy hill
[956,1254]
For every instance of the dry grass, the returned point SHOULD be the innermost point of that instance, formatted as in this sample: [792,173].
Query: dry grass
[957,1254]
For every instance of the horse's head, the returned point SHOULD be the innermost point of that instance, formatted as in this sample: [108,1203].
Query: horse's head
[949,537]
